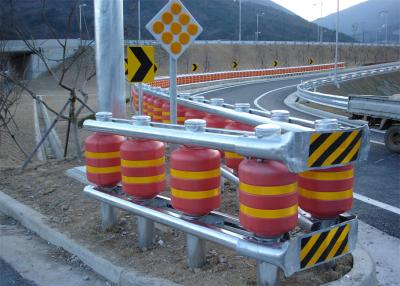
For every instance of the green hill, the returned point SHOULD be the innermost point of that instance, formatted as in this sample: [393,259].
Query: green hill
[219,19]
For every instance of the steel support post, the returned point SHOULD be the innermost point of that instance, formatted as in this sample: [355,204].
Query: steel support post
[172,89]
[109,35]
[196,251]
[108,216]
[140,97]
[267,274]
[145,232]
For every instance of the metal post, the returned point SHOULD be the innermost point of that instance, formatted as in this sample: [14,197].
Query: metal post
[257,27]
[172,89]
[267,274]
[140,97]
[337,43]
[145,231]
[109,35]
[196,251]
[108,216]
[240,20]
[139,23]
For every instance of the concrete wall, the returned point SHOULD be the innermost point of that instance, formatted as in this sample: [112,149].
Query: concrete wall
[219,57]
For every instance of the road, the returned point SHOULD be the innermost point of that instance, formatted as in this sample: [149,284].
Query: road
[377,179]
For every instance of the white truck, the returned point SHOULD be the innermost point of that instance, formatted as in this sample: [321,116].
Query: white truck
[382,112]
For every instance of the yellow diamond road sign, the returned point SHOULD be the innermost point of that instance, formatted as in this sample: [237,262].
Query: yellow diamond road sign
[174,28]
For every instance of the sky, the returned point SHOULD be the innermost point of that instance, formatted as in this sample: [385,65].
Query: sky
[311,9]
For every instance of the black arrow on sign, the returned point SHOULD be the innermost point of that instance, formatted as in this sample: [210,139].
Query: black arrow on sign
[126,66]
[275,63]
[235,65]
[146,64]
[155,68]
[311,61]
[194,67]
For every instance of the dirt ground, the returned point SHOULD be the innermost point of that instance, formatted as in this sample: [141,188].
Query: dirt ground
[48,190]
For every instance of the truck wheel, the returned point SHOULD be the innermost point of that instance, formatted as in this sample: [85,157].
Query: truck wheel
[392,138]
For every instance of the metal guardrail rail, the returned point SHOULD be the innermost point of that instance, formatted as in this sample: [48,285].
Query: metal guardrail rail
[306,90]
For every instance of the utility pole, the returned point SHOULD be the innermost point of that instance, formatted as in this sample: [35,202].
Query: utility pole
[80,21]
[240,20]
[139,23]
[257,31]
[337,42]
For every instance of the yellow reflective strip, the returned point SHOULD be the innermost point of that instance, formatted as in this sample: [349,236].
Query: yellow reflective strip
[352,152]
[338,242]
[165,113]
[142,163]
[102,155]
[166,121]
[103,170]
[314,137]
[233,155]
[322,247]
[195,175]
[328,176]
[339,150]
[321,149]
[195,195]
[143,180]
[271,214]
[180,118]
[326,196]
[157,117]
[309,245]
[268,191]
[157,109]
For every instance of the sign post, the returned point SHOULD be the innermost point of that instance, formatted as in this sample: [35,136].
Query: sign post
[175,29]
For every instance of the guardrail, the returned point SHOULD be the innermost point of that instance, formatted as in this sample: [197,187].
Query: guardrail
[307,90]
[226,75]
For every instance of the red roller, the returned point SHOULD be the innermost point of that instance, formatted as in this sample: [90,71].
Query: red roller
[268,197]
[327,193]
[193,113]
[142,165]
[195,177]
[232,160]
[157,110]
[103,156]
[166,114]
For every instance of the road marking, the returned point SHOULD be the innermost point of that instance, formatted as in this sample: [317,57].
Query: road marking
[377,203]
[377,142]
[271,91]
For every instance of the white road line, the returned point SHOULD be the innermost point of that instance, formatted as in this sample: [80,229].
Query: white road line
[271,91]
[377,142]
[377,203]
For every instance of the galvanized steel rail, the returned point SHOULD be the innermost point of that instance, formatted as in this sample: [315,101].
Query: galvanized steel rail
[306,90]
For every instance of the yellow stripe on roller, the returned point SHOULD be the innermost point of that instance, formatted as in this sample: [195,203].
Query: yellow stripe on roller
[268,191]
[268,214]
[166,113]
[102,155]
[233,155]
[166,121]
[321,149]
[143,180]
[157,109]
[103,170]
[195,175]
[326,196]
[328,176]
[180,119]
[157,117]
[195,195]
[143,163]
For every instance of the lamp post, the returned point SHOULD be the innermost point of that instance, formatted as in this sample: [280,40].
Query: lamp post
[139,23]
[319,27]
[257,31]
[385,13]
[337,42]
[240,19]
[80,21]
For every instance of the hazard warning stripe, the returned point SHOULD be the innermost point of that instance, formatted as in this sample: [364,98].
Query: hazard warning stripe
[328,149]
[324,246]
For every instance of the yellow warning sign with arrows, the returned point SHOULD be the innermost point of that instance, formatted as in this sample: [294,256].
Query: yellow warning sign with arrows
[140,64]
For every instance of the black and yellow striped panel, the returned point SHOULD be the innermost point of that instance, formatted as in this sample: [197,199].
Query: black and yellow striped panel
[327,149]
[324,246]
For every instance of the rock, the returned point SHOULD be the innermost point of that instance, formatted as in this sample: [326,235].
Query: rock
[221,259]
[29,237]
[86,278]
[161,242]
[64,207]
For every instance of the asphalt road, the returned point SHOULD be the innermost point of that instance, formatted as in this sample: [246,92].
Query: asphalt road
[377,179]
[9,276]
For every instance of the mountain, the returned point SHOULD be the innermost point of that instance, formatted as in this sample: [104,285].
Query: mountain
[365,22]
[272,4]
[219,19]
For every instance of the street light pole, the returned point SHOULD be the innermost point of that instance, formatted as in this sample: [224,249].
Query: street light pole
[139,23]
[80,21]
[240,20]
[257,31]
[385,13]
[337,42]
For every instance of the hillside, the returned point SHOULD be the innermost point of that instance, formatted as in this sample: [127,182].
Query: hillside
[364,22]
[219,19]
